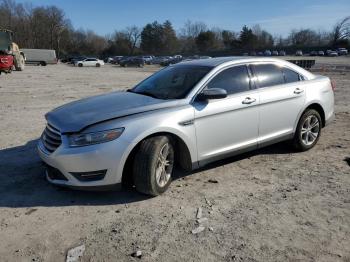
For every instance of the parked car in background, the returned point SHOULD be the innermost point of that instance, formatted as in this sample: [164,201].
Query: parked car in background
[204,57]
[89,62]
[75,59]
[252,53]
[159,59]
[267,53]
[66,59]
[132,61]
[282,53]
[331,53]
[320,53]
[260,53]
[171,61]
[167,120]
[275,53]
[147,59]
[41,57]
[313,53]
[116,59]
[342,51]
[108,59]
[299,53]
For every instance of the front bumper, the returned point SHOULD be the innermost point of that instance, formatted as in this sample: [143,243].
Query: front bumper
[109,157]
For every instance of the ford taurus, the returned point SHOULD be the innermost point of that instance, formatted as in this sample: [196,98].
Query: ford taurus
[185,115]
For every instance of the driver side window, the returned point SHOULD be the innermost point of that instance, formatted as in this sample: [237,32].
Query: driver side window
[233,80]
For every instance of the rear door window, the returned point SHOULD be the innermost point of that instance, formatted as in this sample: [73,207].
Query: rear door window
[268,75]
[233,80]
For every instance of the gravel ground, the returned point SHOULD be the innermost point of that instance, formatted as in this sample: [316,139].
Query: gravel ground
[269,205]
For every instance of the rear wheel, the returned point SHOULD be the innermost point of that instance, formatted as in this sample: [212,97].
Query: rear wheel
[308,130]
[153,165]
[98,65]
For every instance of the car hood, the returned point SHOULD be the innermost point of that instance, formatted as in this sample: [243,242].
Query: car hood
[75,116]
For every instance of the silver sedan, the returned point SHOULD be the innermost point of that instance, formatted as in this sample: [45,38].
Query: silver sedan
[184,116]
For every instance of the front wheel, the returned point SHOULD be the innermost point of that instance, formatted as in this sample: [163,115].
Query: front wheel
[19,64]
[80,65]
[98,65]
[153,165]
[308,130]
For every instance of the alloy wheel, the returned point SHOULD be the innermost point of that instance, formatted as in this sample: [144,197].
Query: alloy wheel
[310,130]
[164,166]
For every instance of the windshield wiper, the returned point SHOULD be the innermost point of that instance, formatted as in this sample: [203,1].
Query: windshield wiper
[145,93]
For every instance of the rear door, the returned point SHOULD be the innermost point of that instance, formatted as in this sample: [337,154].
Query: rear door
[229,124]
[282,95]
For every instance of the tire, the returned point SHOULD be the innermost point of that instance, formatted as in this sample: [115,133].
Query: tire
[43,63]
[19,65]
[149,161]
[80,65]
[308,130]
[98,65]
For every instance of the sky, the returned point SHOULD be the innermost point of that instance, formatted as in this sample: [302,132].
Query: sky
[278,17]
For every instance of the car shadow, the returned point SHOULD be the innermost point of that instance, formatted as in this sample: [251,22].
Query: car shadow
[23,182]
[275,149]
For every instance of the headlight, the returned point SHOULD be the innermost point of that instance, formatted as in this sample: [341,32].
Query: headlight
[94,138]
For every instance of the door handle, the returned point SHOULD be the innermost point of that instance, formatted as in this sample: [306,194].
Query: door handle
[248,100]
[298,91]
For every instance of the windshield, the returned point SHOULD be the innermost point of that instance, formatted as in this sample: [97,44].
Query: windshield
[5,40]
[173,82]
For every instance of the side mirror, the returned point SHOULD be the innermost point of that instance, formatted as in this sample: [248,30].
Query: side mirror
[212,93]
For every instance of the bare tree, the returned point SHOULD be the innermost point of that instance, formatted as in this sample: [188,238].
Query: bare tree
[133,34]
[341,30]
[193,29]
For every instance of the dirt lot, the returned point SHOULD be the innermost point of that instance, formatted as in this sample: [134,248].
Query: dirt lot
[269,205]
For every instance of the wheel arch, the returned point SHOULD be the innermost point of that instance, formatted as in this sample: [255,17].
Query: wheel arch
[184,160]
[316,106]
[319,109]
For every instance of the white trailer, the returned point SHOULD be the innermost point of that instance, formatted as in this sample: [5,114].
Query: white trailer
[40,56]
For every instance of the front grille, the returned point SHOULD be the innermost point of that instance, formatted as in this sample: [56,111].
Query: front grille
[51,138]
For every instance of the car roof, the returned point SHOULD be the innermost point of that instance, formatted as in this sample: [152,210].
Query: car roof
[224,61]
[216,61]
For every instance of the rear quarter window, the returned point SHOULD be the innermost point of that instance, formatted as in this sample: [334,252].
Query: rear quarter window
[290,76]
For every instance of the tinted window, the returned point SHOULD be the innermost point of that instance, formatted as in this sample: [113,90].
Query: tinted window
[233,80]
[268,75]
[173,82]
[290,76]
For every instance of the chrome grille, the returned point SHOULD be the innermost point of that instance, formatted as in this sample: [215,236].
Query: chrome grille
[51,138]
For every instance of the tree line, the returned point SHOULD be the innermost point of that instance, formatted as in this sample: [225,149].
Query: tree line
[47,27]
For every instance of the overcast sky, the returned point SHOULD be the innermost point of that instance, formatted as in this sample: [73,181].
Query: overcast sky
[278,17]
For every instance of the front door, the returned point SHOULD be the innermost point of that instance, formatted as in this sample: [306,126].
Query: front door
[226,125]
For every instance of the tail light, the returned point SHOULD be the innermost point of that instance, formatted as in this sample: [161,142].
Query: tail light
[333,84]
